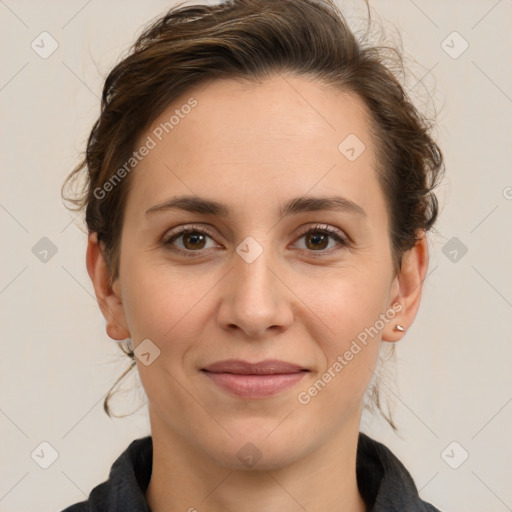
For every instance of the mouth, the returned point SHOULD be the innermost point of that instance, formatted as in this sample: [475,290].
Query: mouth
[267,367]
[254,380]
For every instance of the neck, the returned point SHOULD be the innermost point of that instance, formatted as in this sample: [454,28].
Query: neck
[185,478]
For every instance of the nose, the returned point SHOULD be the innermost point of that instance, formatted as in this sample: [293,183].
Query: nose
[255,298]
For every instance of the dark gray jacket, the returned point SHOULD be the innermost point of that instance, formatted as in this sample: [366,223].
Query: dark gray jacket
[384,483]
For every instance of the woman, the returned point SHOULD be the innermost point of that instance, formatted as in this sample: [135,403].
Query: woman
[258,196]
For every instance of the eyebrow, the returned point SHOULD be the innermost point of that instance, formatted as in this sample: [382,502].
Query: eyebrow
[301,204]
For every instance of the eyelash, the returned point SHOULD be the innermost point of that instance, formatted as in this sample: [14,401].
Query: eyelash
[324,229]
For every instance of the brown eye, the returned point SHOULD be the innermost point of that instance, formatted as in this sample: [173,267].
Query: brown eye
[316,240]
[189,240]
[193,240]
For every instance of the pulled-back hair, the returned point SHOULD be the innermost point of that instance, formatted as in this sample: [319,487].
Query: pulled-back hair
[253,40]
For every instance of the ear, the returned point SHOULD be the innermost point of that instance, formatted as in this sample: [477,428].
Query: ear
[406,289]
[107,293]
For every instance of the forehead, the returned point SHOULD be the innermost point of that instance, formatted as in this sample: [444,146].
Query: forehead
[247,117]
[283,136]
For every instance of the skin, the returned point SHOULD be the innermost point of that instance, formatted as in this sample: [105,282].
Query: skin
[254,147]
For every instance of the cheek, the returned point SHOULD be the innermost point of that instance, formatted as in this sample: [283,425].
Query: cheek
[167,309]
[347,300]
[349,342]
[347,324]
[164,303]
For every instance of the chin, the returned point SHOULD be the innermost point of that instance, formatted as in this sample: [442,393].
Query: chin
[256,453]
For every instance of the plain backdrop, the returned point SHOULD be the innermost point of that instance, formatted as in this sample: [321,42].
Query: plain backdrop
[451,385]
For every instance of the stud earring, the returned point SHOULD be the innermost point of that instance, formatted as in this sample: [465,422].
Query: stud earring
[399,327]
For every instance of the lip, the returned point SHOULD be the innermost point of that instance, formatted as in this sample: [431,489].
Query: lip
[254,380]
[267,367]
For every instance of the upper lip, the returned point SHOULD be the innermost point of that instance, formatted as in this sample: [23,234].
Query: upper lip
[267,367]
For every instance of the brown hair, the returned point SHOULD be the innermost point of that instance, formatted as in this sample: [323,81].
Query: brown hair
[251,40]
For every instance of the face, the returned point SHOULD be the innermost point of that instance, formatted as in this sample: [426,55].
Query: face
[253,282]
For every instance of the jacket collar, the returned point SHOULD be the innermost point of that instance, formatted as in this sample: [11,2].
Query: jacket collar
[384,483]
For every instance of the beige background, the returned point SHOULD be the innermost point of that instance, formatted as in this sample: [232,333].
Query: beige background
[452,378]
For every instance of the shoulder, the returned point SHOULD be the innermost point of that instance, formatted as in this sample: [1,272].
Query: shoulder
[126,485]
[83,506]
[384,482]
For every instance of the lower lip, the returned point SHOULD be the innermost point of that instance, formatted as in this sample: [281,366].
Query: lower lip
[255,386]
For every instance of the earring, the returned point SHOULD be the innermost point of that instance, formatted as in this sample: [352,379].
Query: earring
[399,327]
